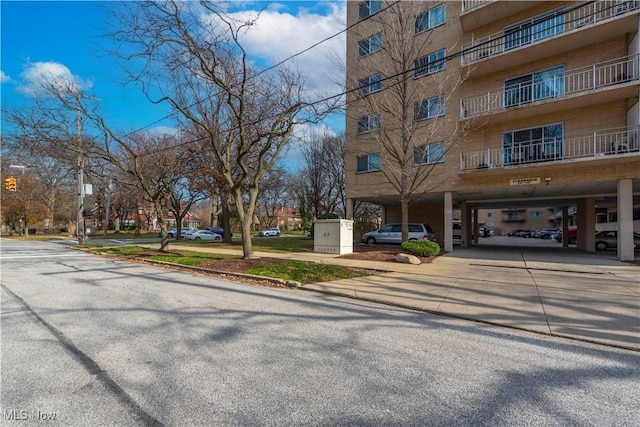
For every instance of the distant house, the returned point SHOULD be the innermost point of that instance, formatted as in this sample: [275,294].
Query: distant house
[288,218]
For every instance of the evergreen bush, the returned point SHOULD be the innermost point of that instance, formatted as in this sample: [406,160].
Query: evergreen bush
[421,247]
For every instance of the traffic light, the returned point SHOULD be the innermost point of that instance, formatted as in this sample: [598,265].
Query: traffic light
[10,183]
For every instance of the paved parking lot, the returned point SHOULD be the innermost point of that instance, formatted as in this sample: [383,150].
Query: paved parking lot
[528,284]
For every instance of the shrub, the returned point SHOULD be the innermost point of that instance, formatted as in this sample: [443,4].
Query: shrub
[329,215]
[421,247]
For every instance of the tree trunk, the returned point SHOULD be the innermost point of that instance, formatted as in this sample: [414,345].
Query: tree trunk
[404,207]
[226,221]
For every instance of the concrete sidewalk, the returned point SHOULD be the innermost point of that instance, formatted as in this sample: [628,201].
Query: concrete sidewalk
[556,291]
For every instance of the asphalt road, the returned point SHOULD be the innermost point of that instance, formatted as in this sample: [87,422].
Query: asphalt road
[93,341]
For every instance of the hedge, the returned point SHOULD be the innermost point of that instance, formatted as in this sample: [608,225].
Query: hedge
[421,247]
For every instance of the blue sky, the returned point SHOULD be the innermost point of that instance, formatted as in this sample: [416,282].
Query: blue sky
[64,38]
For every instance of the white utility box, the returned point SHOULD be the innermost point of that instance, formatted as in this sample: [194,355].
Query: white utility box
[333,236]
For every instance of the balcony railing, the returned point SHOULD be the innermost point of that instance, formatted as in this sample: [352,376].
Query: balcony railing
[553,85]
[539,29]
[467,5]
[593,145]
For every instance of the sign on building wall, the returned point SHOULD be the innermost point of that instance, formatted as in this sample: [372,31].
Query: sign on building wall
[524,181]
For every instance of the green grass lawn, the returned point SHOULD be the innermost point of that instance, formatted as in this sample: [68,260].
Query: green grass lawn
[280,244]
[304,272]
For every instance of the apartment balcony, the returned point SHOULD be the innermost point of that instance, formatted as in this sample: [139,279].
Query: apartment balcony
[478,13]
[562,31]
[596,145]
[555,90]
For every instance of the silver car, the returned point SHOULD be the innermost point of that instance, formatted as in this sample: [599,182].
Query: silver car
[609,239]
[392,233]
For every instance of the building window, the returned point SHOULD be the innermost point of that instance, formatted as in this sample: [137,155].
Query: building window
[429,108]
[370,45]
[429,64]
[370,84]
[369,163]
[537,214]
[534,87]
[491,215]
[532,145]
[428,153]
[368,123]
[537,28]
[430,19]
[513,216]
[368,8]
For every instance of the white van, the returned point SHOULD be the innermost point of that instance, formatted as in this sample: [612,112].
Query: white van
[457,229]
[392,233]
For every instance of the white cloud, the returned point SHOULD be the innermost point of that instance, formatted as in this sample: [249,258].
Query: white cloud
[4,78]
[277,35]
[292,156]
[163,130]
[39,77]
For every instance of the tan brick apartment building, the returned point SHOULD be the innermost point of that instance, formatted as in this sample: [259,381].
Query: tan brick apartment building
[501,105]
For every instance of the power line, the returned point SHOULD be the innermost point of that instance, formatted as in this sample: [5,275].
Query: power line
[289,58]
[385,78]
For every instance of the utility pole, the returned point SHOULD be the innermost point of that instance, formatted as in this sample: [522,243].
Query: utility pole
[79,216]
[105,227]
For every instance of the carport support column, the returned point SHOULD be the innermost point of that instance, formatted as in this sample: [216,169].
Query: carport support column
[465,220]
[587,224]
[625,220]
[448,221]
[349,209]
[475,226]
[565,226]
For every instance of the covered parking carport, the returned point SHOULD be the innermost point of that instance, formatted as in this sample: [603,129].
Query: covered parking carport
[540,191]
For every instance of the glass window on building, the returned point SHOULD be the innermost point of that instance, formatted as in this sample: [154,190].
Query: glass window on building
[429,64]
[429,153]
[431,19]
[531,145]
[370,84]
[534,87]
[368,8]
[368,123]
[370,45]
[368,162]
[534,29]
[429,108]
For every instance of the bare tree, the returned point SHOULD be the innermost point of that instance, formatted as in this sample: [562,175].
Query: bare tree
[322,182]
[393,112]
[49,172]
[273,195]
[182,199]
[247,117]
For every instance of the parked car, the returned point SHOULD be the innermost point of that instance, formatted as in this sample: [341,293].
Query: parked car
[546,233]
[457,229]
[269,232]
[218,230]
[485,232]
[392,233]
[204,235]
[573,236]
[524,233]
[174,232]
[609,240]
[514,233]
